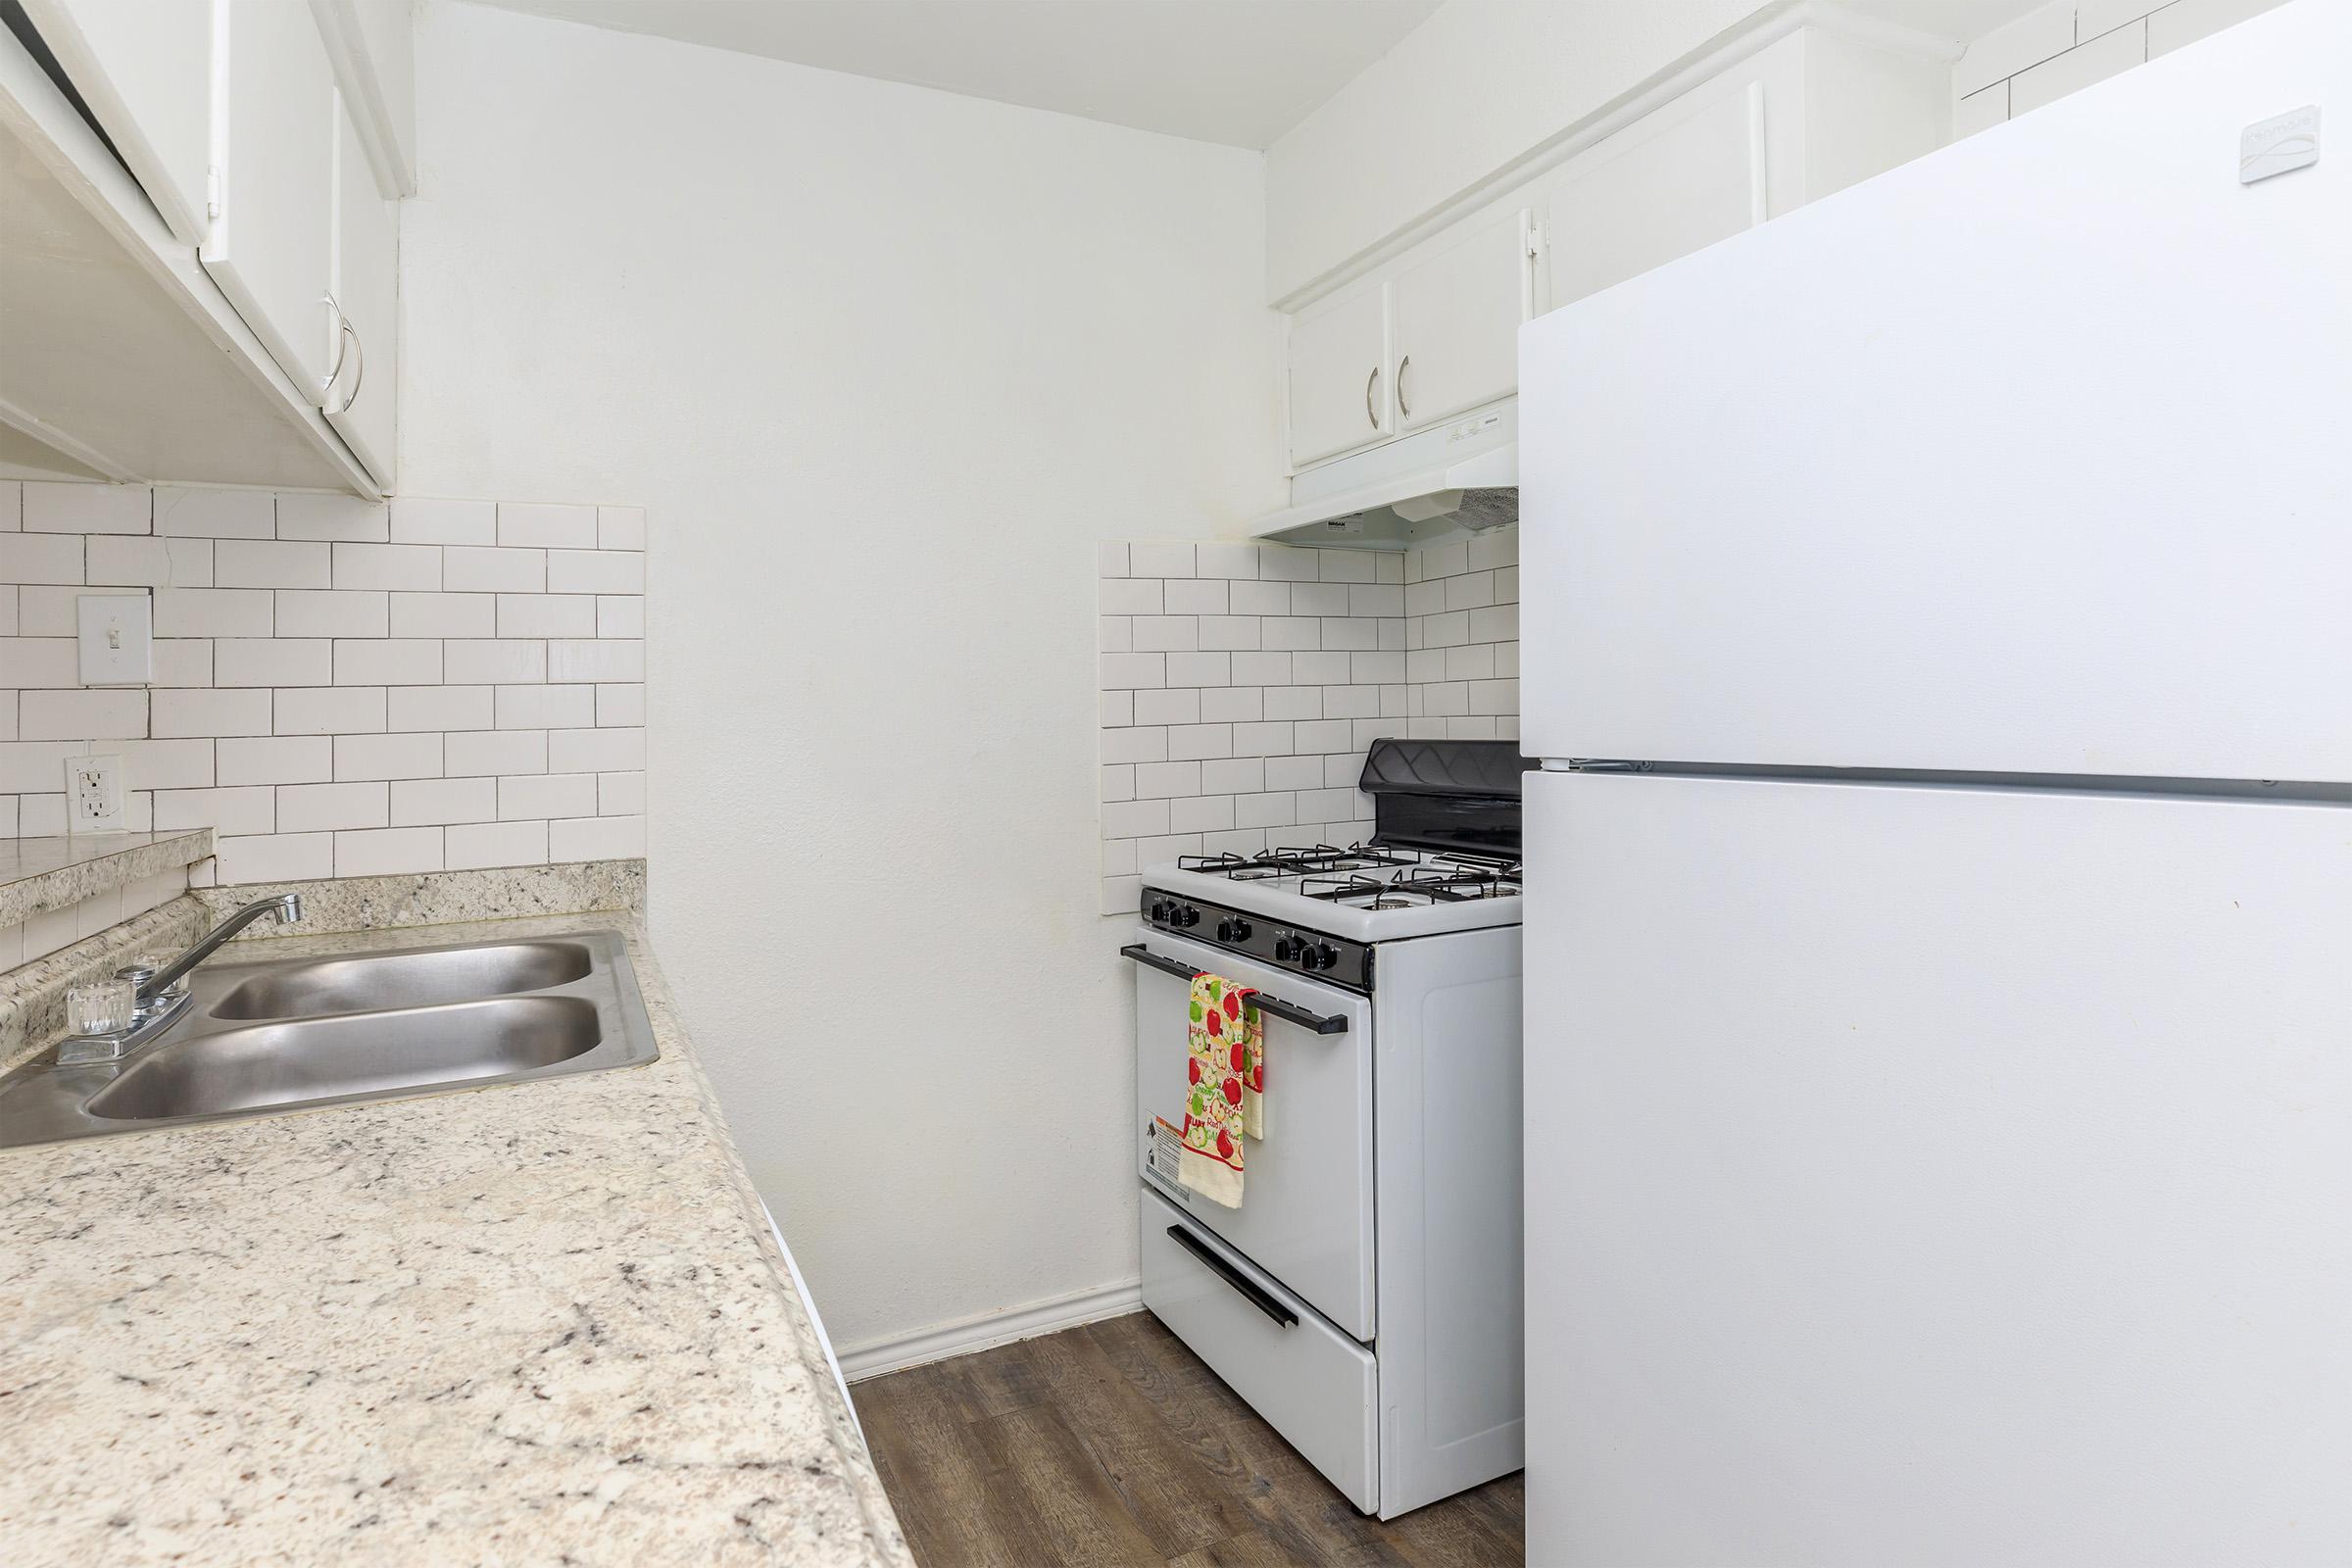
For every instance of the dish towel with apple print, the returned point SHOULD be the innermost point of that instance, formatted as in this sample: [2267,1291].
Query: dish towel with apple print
[1226,1039]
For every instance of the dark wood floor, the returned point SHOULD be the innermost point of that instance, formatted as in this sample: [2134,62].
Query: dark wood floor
[1112,1446]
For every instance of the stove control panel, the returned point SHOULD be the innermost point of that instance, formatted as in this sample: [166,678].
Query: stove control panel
[1334,960]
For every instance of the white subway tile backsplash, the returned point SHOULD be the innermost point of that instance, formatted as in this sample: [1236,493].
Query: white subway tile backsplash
[1318,599]
[595,750]
[1158,781]
[479,752]
[210,712]
[388,852]
[544,708]
[1232,703]
[620,794]
[437,614]
[1147,558]
[51,507]
[597,838]
[595,572]
[387,662]
[94,716]
[127,561]
[546,616]
[1128,596]
[241,810]
[327,709]
[47,612]
[275,759]
[436,802]
[212,612]
[388,756]
[214,513]
[1193,596]
[272,661]
[1261,669]
[441,707]
[331,519]
[334,613]
[1259,598]
[493,662]
[405,568]
[274,564]
[541,525]
[595,658]
[1282,564]
[1200,669]
[493,569]
[1168,706]
[27,661]
[40,558]
[326,807]
[620,528]
[625,704]
[485,844]
[171,764]
[276,858]
[620,616]
[424,520]
[546,795]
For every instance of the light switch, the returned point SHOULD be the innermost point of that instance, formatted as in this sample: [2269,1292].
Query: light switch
[117,639]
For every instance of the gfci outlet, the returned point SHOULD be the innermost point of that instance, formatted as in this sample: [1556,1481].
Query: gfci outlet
[93,794]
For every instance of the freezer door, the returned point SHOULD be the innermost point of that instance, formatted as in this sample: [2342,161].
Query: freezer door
[2026,456]
[1937,1177]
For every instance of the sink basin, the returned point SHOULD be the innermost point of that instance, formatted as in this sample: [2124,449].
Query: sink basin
[304,1033]
[424,979]
[341,1058]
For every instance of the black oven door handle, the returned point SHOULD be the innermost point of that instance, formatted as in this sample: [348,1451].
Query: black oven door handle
[1289,1012]
[1242,1285]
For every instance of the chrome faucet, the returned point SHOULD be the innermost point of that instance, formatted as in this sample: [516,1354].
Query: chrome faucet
[159,997]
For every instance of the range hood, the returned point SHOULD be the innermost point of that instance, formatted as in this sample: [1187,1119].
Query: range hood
[1455,477]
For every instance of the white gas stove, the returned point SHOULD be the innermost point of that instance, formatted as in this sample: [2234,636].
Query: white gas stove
[1365,1296]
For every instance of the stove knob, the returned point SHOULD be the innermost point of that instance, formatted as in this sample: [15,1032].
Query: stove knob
[1232,930]
[1309,957]
[1159,913]
[1286,948]
[1325,957]
[1187,917]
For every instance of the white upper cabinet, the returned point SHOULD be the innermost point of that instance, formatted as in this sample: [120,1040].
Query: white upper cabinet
[1674,183]
[371,46]
[143,68]
[1339,383]
[271,244]
[365,315]
[1458,308]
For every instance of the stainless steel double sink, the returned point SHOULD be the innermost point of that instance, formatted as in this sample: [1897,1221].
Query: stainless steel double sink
[259,1038]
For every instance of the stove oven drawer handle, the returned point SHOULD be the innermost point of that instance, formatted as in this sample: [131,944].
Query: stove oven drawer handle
[1289,1012]
[1243,1283]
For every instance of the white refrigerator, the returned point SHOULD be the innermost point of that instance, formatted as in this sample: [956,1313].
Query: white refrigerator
[1938,641]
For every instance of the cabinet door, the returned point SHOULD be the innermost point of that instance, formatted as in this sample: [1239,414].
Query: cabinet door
[144,69]
[1339,389]
[364,368]
[1457,320]
[269,245]
[1654,194]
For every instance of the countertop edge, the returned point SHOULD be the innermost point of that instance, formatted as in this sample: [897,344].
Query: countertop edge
[104,865]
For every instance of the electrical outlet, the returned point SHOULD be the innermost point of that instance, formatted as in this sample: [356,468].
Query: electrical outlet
[93,795]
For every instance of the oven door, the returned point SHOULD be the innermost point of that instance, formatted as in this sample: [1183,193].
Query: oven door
[1306,1188]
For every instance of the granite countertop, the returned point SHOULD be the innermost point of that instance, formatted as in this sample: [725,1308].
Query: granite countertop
[41,875]
[537,1323]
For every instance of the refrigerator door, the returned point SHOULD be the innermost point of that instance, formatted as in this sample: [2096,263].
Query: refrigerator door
[1937,1176]
[2027,457]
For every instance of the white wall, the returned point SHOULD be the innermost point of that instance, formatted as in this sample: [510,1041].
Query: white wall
[1476,86]
[882,364]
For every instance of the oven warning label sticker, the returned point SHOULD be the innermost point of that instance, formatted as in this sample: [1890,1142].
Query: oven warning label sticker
[1167,1147]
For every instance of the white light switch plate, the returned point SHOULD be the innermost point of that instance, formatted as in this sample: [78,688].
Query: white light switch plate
[93,795]
[117,639]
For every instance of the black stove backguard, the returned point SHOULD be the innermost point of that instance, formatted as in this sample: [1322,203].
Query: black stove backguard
[1449,797]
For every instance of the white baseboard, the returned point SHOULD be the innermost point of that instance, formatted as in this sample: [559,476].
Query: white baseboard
[962,1337]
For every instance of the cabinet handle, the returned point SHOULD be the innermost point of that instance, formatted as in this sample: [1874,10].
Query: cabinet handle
[1403,408]
[342,348]
[359,376]
[1370,383]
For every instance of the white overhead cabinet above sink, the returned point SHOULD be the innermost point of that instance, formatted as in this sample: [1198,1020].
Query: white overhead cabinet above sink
[270,243]
[273,138]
